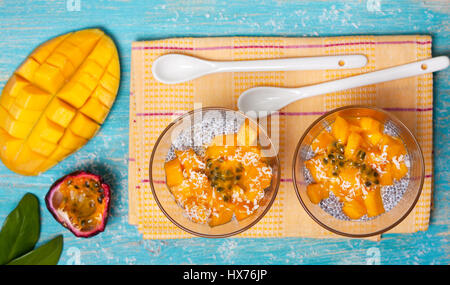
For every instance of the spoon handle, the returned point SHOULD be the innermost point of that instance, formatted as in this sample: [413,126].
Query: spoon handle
[384,75]
[286,64]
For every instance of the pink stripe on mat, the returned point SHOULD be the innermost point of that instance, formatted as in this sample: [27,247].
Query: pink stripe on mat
[282,47]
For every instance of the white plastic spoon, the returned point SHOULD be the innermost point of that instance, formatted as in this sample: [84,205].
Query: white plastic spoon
[177,68]
[261,101]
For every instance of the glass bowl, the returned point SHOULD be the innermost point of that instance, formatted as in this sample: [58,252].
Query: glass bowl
[378,224]
[164,198]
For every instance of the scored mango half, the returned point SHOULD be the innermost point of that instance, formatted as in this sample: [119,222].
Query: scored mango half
[57,99]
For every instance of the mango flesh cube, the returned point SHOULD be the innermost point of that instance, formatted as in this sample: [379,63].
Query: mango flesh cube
[222,213]
[27,161]
[54,102]
[14,85]
[316,192]
[370,124]
[374,137]
[41,53]
[48,130]
[354,209]
[189,160]
[75,94]
[48,78]
[399,170]
[15,128]
[83,126]
[71,141]
[174,172]
[24,115]
[28,68]
[72,52]
[62,63]
[60,112]
[60,153]
[218,151]
[322,142]
[374,203]
[33,98]
[107,98]
[340,129]
[386,175]
[93,69]
[95,110]
[6,101]
[39,145]
[353,143]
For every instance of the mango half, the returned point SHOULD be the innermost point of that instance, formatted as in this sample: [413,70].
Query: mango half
[57,99]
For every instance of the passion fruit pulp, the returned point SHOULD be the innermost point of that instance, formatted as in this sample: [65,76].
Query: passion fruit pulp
[80,202]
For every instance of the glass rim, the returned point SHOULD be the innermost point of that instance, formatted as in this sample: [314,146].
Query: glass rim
[155,196]
[397,122]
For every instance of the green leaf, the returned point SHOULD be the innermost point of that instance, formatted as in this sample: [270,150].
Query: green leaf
[48,254]
[21,229]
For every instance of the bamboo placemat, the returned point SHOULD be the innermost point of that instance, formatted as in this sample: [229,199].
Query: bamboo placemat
[153,105]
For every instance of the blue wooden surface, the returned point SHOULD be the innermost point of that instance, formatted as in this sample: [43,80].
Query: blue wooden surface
[25,24]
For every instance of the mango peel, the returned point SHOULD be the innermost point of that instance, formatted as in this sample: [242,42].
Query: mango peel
[57,99]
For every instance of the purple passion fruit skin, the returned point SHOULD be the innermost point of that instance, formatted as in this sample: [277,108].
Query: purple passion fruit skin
[80,202]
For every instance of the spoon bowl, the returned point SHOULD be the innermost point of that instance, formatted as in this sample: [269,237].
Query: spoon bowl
[177,68]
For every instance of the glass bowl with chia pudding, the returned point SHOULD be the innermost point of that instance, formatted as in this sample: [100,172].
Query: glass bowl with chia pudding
[214,172]
[358,171]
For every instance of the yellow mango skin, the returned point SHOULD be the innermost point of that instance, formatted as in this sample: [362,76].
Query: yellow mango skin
[57,99]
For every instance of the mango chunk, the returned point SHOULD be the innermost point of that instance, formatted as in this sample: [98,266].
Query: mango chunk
[60,153]
[222,213]
[340,129]
[72,52]
[60,112]
[15,128]
[71,141]
[83,126]
[14,85]
[6,101]
[399,170]
[33,98]
[56,100]
[40,145]
[48,78]
[62,63]
[174,172]
[23,115]
[74,93]
[370,124]
[316,192]
[107,98]
[41,53]
[322,142]
[95,110]
[374,203]
[354,209]
[353,143]
[48,130]
[28,68]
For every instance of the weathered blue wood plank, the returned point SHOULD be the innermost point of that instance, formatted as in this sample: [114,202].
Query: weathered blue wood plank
[25,24]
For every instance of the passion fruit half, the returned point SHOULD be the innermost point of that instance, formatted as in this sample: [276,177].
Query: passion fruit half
[80,202]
